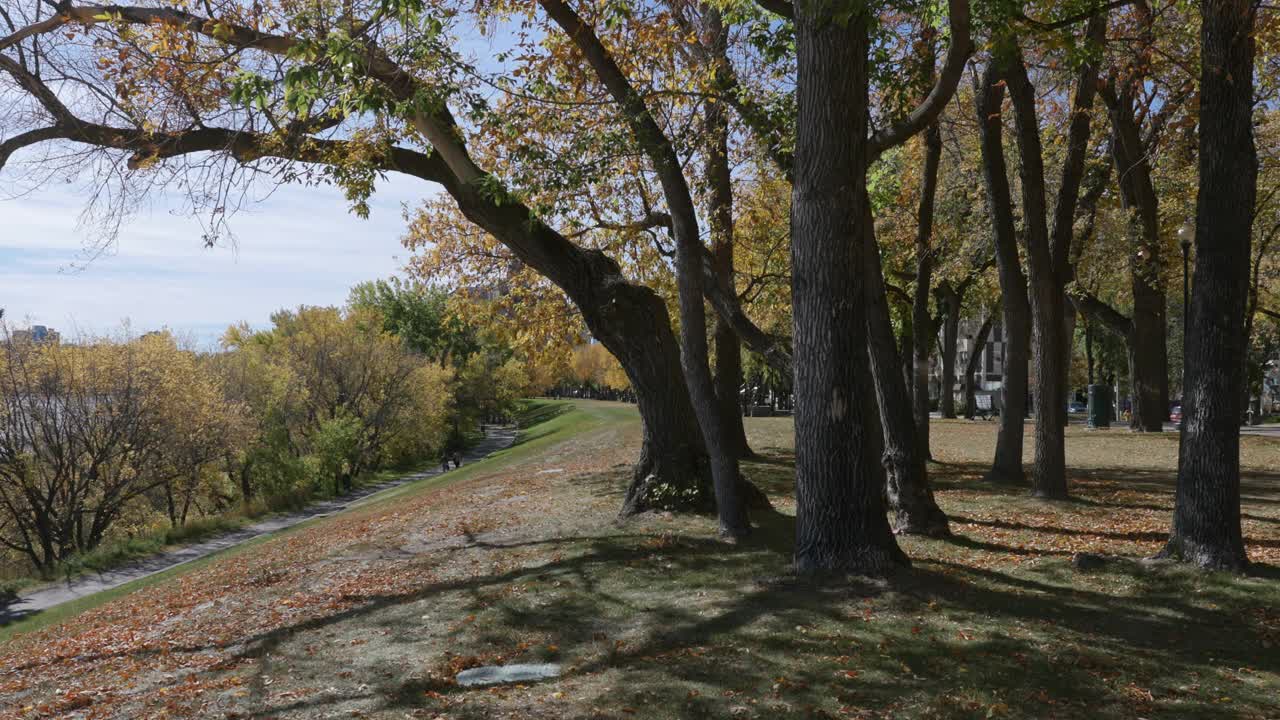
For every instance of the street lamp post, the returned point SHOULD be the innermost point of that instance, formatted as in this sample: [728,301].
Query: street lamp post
[1186,234]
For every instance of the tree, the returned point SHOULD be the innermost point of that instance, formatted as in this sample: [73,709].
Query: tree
[1206,516]
[1047,253]
[81,440]
[840,522]
[420,316]
[728,347]
[198,424]
[360,387]
[269,86]
[1016,308]
[689,264]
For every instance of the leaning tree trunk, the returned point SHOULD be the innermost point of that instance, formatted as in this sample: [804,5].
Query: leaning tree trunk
[971,367]
[689,261]
[840,520]
[910,495]
[1206,516]
[631,321]
[921,322]
[1016,321]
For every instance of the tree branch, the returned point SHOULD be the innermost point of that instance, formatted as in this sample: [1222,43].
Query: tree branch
[778,7]
[1089,304]
[942,91]
[1072,19]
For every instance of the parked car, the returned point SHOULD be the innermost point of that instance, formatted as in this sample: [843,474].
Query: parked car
[1175,415]
[1077,407]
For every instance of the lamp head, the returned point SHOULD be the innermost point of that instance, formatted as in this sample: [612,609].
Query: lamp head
[1186,234]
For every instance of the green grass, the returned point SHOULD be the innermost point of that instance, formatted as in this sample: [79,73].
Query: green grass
[541,422]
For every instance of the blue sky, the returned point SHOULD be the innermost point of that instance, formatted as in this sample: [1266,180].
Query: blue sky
[299,246]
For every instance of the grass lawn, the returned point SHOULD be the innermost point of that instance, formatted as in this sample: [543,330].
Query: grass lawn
[371,613]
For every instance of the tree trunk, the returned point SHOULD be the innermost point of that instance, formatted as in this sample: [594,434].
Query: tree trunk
[1088,347]
[972,367]
[1047,257]
[673,471]
[921,321]
[1149,365]
[950,339]
[1016,320]
[907,474]
[728,376]
[689,262]
[1206,517]
[1048,469]
[840,515]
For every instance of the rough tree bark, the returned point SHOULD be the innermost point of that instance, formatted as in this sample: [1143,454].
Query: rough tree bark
[1048,256]
[1148,363]
[840,519]
[1206,517]
[1016,319]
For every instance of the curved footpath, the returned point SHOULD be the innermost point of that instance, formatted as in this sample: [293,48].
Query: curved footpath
[496,438]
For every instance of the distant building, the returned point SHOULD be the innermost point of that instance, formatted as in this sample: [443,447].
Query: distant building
[37,334]
[1271,387]
[990,375]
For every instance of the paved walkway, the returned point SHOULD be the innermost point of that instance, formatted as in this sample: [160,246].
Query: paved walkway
[496,438]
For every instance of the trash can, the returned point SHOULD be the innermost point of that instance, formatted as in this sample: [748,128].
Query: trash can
[1099,406]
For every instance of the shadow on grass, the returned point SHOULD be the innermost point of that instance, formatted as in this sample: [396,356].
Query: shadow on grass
[942,639]
[673,626]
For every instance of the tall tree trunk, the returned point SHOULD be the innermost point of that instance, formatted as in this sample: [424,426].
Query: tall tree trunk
[1016,320]
[1149,364]
[905,463]
[973,365]
[840,515]
[1048,469]
[728,375]
[1048,257]
[921,321]
[1206,516]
